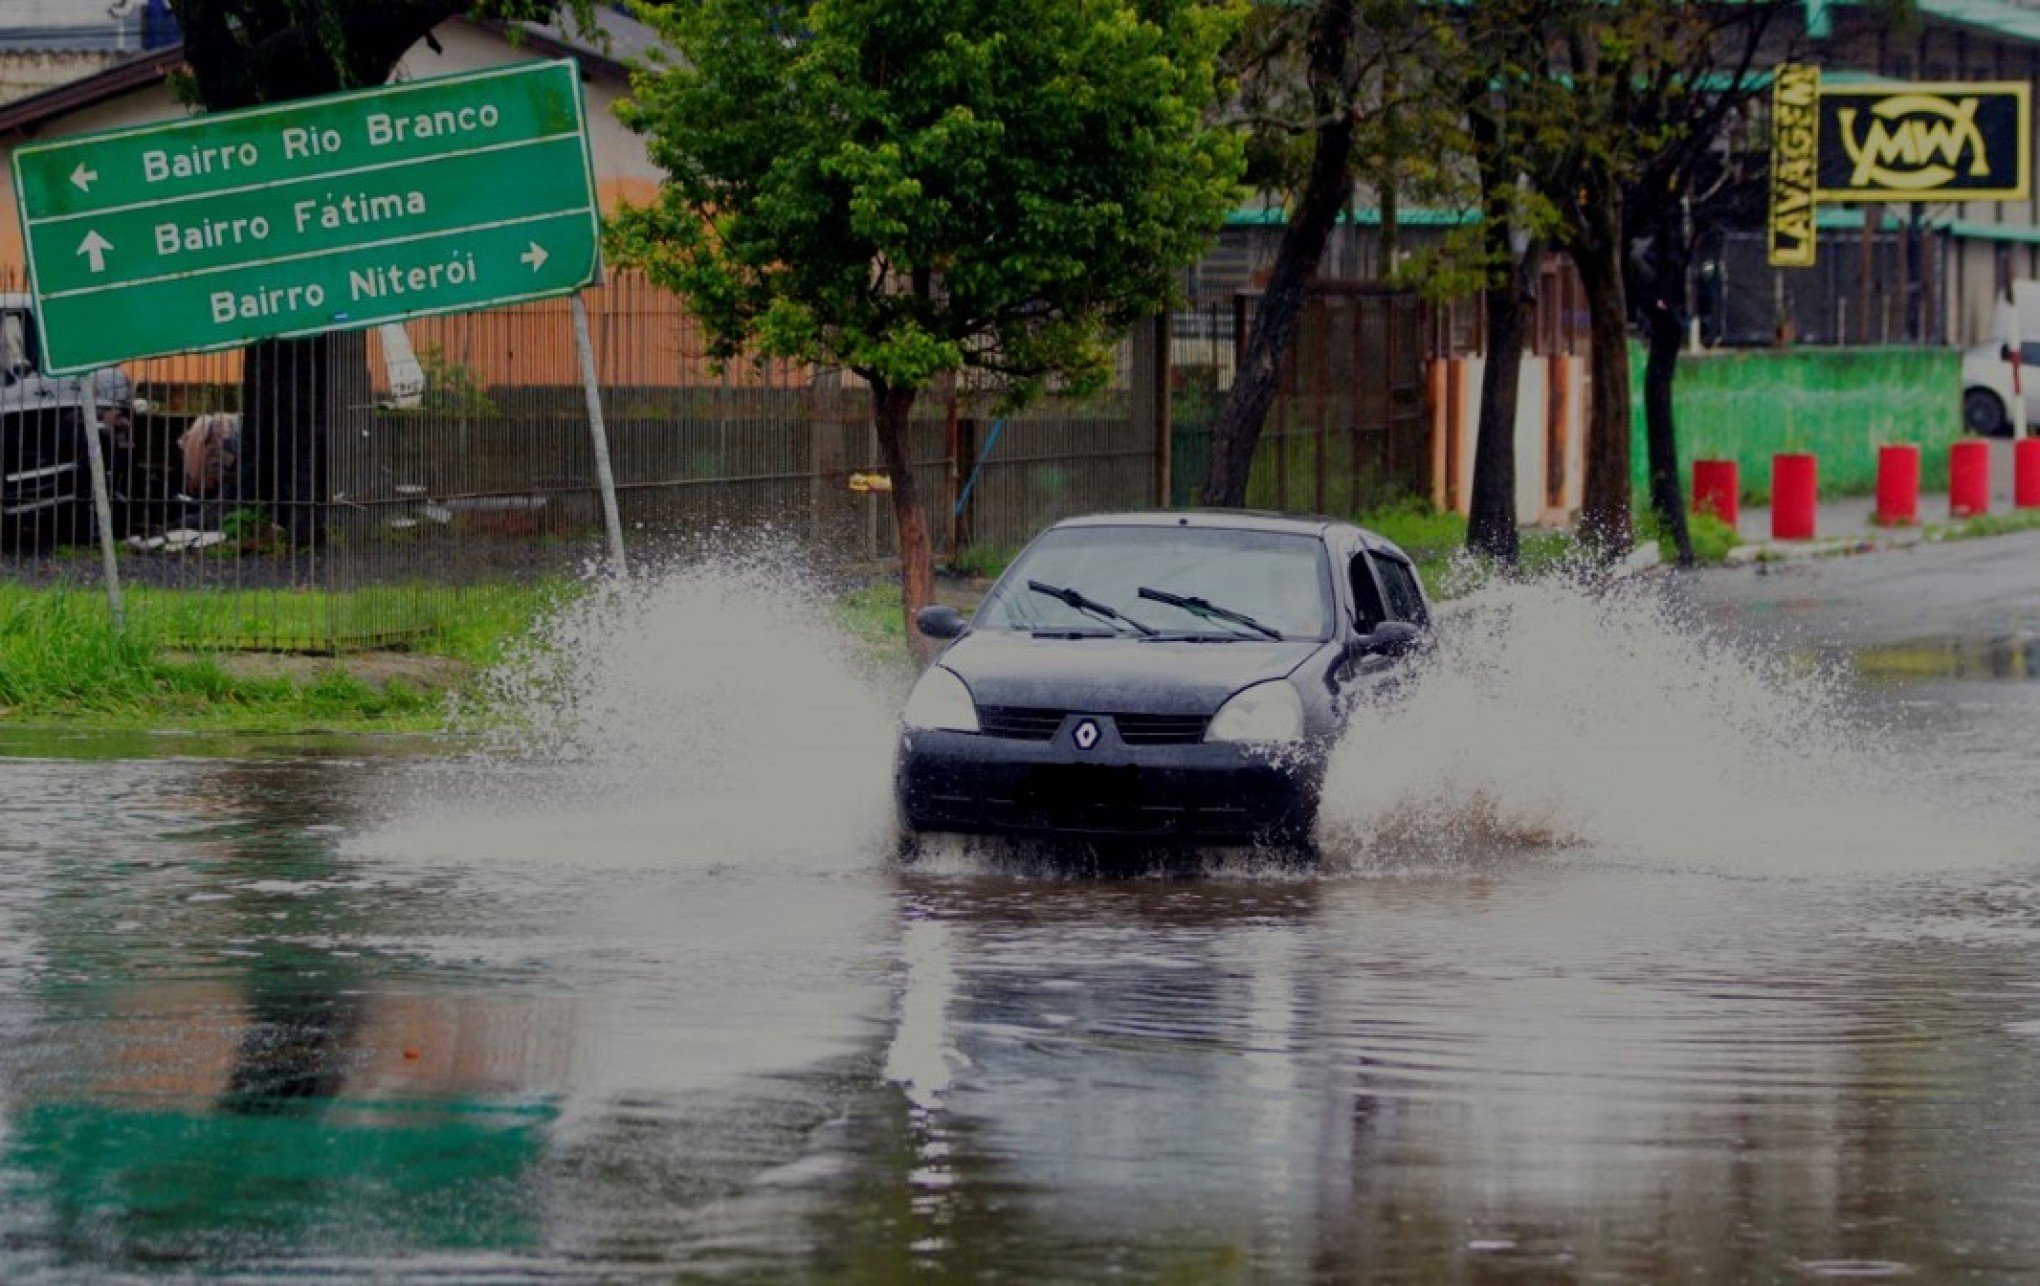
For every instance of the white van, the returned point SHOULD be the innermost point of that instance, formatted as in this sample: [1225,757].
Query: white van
[1993,384]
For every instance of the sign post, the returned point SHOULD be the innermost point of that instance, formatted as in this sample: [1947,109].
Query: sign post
[1901,141]
[338,213]
[612,520]
[102,504]
[1795,147]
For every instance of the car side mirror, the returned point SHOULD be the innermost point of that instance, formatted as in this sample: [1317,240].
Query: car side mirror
[1390,638]
[940,621]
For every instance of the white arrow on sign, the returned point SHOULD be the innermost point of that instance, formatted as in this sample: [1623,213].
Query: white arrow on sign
[84,178]
[94,247]
[536,256]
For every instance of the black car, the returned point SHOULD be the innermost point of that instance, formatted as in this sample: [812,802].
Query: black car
[1156,678]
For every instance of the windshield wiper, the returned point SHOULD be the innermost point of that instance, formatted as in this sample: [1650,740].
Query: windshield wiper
[1082,603]
[1205,607]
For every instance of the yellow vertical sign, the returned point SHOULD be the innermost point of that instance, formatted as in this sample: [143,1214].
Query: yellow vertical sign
[1795,163]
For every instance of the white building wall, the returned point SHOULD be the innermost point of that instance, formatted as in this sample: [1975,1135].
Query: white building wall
[1534,408]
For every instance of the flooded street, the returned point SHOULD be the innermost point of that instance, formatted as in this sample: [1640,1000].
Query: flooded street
[1638,954]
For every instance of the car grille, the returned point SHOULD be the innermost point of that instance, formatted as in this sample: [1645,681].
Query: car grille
[1019,723]
[1032,723]
[1160,729]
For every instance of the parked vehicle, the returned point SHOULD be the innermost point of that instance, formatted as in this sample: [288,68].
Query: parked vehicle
[1158,677]
[1998,375]
[1988,384]
[45,477]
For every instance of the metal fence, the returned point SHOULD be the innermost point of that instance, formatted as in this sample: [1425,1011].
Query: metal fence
[1859,291]
[417,466]
[1349,428]
[420,464]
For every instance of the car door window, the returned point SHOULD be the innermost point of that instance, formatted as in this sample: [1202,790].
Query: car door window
[1368,611]
[1399,584]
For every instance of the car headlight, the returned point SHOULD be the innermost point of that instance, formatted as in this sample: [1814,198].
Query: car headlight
[1265,712]
[940,702]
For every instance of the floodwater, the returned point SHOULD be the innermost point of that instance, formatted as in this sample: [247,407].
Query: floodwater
[1649,945]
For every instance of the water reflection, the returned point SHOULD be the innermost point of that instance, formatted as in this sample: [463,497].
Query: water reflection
[1421,1080]
[2001,657]
[215,1072]
[237,1041]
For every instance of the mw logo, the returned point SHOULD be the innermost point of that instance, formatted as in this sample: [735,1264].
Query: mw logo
[1914,142]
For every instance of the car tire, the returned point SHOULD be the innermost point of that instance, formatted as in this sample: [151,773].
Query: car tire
[906,846]
[1983,413]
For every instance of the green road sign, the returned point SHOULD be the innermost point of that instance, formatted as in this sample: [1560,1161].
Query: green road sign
[326,214]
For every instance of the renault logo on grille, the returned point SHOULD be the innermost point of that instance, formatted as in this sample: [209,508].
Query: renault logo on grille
[1086,734]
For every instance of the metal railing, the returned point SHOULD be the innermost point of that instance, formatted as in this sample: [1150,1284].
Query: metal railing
[415,466]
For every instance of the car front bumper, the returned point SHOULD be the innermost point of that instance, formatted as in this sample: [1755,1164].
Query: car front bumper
[1193,794]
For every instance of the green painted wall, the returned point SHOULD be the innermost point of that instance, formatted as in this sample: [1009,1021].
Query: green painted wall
[1840,404]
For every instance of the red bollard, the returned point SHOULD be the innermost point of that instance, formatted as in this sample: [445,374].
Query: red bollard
[1968,479]
[1898,485]
[1795,495]
[2026,473]
[1717,489]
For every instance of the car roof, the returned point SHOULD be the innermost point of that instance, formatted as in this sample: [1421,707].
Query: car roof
[1235,520]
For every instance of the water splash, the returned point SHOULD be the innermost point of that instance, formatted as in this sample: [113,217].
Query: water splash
[1560,715]
[712,710]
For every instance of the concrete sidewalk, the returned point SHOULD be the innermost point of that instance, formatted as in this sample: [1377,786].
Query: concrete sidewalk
[1848,523]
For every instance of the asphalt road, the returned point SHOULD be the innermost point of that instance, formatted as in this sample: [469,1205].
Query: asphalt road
[1963,589]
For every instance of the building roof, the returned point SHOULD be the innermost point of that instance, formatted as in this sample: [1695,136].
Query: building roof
[2016,19]
[25,117]
[2005,17]
[627,38]
[44,25]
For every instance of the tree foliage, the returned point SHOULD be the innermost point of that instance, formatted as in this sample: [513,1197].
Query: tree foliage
[239,53]
[244,52]
[1321,93]
[1600,99]
[904,190]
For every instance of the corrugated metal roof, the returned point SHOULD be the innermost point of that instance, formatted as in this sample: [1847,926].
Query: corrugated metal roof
[626,37]
[2017,19]
[1366,217]
[68,24]
[2006,17]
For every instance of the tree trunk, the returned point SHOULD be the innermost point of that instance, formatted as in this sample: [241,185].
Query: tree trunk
[1604,508]
[890,408]
[284,402]
[246,52]
[1238,431]
[1665,314]
[1491,512]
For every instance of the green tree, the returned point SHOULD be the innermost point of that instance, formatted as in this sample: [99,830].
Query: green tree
[240,53]
[903,189]
[1495,55]
[1616,94]
[1330,88]
[1693,106]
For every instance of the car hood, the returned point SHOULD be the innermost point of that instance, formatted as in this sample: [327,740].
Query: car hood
[1108,675]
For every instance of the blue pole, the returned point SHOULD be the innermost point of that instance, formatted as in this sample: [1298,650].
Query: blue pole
[991,440]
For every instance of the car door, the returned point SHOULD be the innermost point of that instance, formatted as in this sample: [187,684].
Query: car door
[1401,591]
[1357,674]
[1384,588]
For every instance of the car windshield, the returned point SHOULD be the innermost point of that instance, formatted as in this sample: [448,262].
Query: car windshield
[1277,578]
